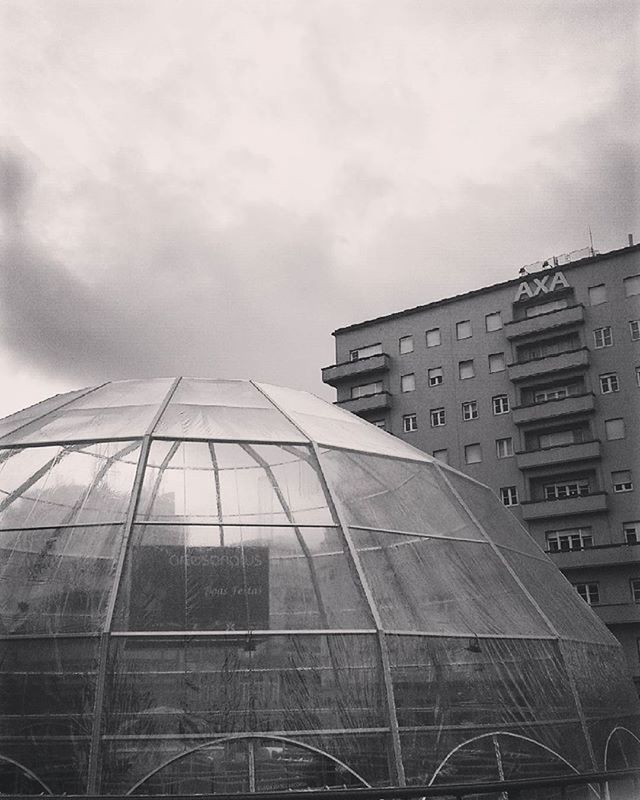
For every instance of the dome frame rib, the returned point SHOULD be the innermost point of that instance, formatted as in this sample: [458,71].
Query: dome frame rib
[383,651]
[103,649]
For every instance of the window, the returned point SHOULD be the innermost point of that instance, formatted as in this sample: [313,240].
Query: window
[466,370]
[635,589]
[631,532]
[589,592]
[405,344]
[504,447]
[566,489]
[603,337]
[366,389]
[637,376]
[435,376]
[470,410]
[621,480]
[496,362]
[634,328]
[380,423]
[609,383]
[433,337]
[472,453]
[408,382]
[441,455]
[500,404]
[614,428]
[493,322]
[409,423]
[509,495]
[542,395]
[570,539]
[437,417]
[548,347]
[463,329]
[631,285]
[545,308]
[597,294]
[559,437]
[365,352]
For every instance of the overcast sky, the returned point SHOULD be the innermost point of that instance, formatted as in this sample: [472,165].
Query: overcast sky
[209,188]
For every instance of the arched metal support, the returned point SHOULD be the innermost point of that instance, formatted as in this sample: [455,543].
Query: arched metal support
[26,771]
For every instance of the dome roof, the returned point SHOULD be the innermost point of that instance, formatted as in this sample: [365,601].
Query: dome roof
[220,586]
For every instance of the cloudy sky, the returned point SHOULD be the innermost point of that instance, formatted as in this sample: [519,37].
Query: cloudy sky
[210,187]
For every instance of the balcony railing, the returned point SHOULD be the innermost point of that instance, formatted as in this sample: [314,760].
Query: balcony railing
[552,320]
[338,373]
[370,402]
[585,504]
[597,556]
[559,454]
[551,409]
[558,362]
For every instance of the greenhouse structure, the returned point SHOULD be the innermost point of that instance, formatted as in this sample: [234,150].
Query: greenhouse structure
[217,586]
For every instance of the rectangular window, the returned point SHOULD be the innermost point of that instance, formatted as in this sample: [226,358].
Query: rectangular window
[504,447]
[500,404]
[493,322]
[635,589]
[463,329]
[509,495]
[366,389]
[408,382]
[437,417]
[549,347]
[543,395]
[365,352]
[441,455]
[545,308]
[631,531]
[405,344]
[466,369]
[637,376]
[470,410]
[569,539]
[409,423]
[602,337]
[609,383]
[435,376]
[496,362]
[589,592]
[622,481]
[632,285]
[433,337]
[566,489]
[559,438]
[472,453]
[597,294]
[634,329]
[614,428]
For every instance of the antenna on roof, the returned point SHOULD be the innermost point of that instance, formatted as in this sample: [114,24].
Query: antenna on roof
[591,240]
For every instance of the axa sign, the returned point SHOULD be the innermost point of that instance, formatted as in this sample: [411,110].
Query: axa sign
[543,285]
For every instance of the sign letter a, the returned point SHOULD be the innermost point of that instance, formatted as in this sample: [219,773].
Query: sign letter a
[559,280]
[522,290]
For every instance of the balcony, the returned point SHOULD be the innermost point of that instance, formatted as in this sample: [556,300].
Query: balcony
[560,362]
[552,409]
[559,454]
[338,373]
[618,613]
[602,556]
[553,320]
[370,402]
[586,504]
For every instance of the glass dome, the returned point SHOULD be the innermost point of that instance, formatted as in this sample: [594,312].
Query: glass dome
[227,586]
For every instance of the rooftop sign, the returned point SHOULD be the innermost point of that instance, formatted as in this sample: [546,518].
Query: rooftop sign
[543,285]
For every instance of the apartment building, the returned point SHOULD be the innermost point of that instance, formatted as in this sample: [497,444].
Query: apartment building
[531,386]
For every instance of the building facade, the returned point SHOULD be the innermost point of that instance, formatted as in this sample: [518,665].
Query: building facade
[531,386]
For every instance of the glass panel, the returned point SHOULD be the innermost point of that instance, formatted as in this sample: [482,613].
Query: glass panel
[326,424]
[149,392]
[46,707]
[64,485]
[238,578]
[71,425]
[394,494]
[211,482]
[443,586]
[499,523]
[14,421]
[56,580]
[369,755]
[236,684]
